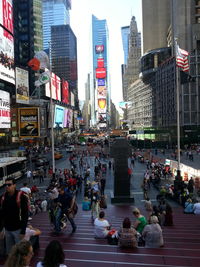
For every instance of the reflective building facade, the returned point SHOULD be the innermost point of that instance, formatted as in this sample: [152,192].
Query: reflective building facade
[55,12]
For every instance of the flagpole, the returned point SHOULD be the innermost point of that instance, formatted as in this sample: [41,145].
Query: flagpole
[178,119]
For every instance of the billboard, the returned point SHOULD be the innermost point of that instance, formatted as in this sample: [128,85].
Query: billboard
[5,119]
[70,118]
[65,122]
[100,73]
[58,116]
[6,16]
[100,63]
[72,99]
[29,125]
[101,82]
[7,72]
[101,92]
[99,49]
[55,87]
[102,118]
[22,86]
[65,92]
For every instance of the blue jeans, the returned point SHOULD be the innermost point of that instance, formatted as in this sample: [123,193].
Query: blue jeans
[58,216]
[12,237]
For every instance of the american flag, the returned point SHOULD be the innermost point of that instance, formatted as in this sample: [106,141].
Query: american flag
[182,59]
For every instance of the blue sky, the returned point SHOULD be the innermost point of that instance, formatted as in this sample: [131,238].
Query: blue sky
[118,13]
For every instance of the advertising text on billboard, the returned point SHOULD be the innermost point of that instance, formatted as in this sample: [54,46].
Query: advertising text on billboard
[4,109]
[55,87]
[22,90]
[29,122]
[100,73]
[101,82]
[101,92]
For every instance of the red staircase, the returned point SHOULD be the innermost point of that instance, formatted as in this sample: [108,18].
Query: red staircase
[182,242]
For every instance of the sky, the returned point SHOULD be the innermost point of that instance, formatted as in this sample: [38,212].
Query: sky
[118,13]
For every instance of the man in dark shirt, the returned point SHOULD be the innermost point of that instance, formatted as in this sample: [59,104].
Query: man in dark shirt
[14,214]
[65,203]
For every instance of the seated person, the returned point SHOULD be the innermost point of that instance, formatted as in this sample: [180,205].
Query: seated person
[32,235]
[140,221]
[101,226]
[152,234]
[197,208]
[189,206]
[86,204]
[127,235]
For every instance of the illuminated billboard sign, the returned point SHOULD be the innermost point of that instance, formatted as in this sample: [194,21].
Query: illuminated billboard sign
[6,16]
[101,82]
[65,92]
[4,110]
[70,118]
[101,105]
[101,92]
[65,122]
[100,62]
[58,116]
[22,86]
[29,125]
[7,72]
[100,73]
[55,87]
[102,118]
[99,49]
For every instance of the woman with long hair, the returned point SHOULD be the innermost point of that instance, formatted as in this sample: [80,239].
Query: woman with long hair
[54,256]
[127,234]
[20,255]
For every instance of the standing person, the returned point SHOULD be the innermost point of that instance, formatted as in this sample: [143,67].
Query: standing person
[14,206]
[66,202]
[95,208]
[103,184]
[20,255]
[29,175]
[190,185]
[54,256]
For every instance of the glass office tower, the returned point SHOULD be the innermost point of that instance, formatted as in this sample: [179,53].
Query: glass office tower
[100,37]
[125,32]
[55,12]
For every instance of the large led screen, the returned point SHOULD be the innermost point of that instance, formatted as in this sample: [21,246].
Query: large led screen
[55,87]
[22,86]
[4,109]
[59,116]
[65,92]
[6,15]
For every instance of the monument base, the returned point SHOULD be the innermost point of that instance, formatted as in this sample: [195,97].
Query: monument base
[122,199]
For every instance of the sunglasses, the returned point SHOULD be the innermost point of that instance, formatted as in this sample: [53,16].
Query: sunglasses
[9,184]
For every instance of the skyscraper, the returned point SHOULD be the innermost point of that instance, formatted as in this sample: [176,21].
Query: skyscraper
[125,32]
[55,12]
[64,56]
[100,39]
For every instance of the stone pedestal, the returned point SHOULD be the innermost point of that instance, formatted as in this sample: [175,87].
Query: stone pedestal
[121,151]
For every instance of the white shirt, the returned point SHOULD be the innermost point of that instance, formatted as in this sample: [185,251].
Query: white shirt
[197,208]
[29,233]
[26,190]
[100,230]
[40,265]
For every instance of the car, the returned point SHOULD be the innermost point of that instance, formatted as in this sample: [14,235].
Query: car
[58,155]
[70,148]
[41,162]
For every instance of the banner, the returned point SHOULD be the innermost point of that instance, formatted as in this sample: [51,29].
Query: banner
[5,121]
[22,86]
[65,122]
[101,92]
[65,92]
[29,122]
[70,118]
[55,87]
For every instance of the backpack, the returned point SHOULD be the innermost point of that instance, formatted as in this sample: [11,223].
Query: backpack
[18,200]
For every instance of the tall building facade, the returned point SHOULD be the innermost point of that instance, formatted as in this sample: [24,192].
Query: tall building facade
[125,32]
[28,33]
[64,56]
[178,19]
[100,70]
[55,12]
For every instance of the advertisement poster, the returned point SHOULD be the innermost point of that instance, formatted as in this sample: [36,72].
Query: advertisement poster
[65,92]
[22,86]
[101,82]
[6,15]
[59,116]
[99,49]
[101,92]
[7,72]
[55,87]
[100,73]
[65,123]
[102,117]
[72,100]
[70,118]
[5,121]
[29,122]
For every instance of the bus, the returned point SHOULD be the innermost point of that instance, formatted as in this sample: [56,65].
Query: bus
[12,167]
